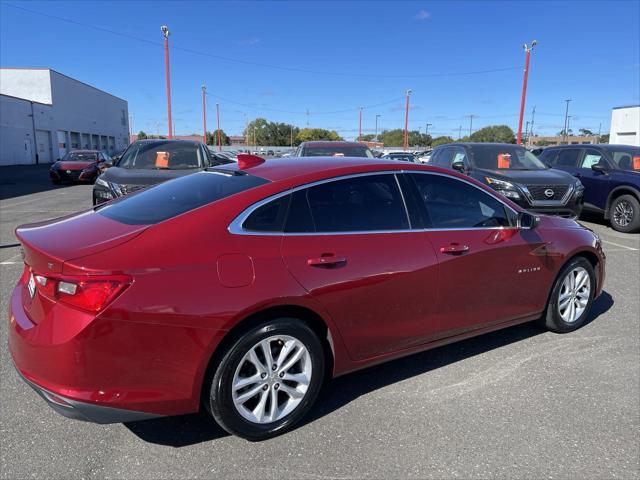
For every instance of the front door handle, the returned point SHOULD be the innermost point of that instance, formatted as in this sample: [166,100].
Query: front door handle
[326,260]
[454,249]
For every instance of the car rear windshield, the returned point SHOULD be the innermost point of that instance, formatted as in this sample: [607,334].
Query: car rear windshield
[178,196]
[80,157]
[337,151]
[505,157]
[626,158]
[162,155]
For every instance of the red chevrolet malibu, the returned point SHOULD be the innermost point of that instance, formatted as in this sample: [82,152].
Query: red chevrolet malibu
[242,288]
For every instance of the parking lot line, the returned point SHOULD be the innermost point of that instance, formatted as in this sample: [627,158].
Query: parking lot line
[619,245]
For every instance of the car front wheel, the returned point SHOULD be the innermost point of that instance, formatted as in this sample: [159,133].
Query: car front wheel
[267,380]
[624,214]
[571,297]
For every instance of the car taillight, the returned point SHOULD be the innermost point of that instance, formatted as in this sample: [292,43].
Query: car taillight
[92,292]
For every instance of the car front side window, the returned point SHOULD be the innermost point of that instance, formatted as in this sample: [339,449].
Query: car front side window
[450,203]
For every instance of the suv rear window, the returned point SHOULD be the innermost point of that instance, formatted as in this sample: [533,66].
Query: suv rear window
[177,196]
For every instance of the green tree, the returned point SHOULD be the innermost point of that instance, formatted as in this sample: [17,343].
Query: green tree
[142,135]
[585,132]
[369,137]
[441,141]
[494,133]
[603,138]
[392,138]
[263,132]
[212,138]
[311,134]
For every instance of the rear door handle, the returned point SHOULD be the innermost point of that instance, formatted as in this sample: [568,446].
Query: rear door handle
[454,249]
[326,261]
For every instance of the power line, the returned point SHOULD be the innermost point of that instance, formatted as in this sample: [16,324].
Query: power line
[258,64]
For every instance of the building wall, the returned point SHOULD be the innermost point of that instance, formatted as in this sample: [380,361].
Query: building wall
[560,140]
[625,126]
[78,116]
[32,84]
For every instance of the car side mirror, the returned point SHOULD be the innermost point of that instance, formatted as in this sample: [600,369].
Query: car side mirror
[599,167]
[459,166]
[106,164]
[527,220]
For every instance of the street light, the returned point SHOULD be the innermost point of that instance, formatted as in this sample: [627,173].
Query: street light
[165,33]
[204,114]
[527,50]
[426,131]
[377,115]
[566,121]
[360,125]
[406,120]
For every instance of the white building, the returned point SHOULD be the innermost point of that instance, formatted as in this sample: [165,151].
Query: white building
[44,114]
[625,126]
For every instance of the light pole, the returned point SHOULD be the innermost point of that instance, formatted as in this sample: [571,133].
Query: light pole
[377,116]
[218,120]
[165,33]
[566,120]
[470,125]
[533,115]
[204,114]
[360,125]
[406,121]
[527,50]
[426,131]
[568,127]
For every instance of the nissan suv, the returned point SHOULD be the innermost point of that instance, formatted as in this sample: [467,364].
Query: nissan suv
[611,176]
[517,174]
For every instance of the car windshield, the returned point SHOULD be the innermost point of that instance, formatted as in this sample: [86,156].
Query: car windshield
[162,155]
[505,157]
[626,158]
[337,151]
[80,157]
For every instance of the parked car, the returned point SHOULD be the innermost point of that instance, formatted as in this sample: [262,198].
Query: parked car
[402,156]
[517,174]
[79,166]
[241,288]
[424,156]
[611,177]
[333,149]
[149,162]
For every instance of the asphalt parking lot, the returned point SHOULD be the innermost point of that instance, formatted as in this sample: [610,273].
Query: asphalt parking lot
[516,403]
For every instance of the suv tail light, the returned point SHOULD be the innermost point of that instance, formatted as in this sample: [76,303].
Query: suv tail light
[91,292]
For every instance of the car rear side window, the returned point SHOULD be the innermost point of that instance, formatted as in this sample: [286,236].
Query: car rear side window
[568,157]
[450,204]
[178,196]
[367,203]
[269,217]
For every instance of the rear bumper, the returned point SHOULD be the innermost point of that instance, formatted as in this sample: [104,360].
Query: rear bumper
[87,412]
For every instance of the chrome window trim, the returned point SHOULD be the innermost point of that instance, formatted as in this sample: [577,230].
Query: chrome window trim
[236,228]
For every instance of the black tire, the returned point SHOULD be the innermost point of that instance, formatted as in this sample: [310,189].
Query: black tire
[220,400]
[552,319]
[55,182]
[625,202]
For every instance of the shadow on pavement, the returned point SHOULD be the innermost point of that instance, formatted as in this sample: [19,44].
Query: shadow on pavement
[196,428]
[19,180]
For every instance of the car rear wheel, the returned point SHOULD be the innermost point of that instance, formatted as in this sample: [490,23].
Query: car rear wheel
[571,297]
[267,379]
[624,214]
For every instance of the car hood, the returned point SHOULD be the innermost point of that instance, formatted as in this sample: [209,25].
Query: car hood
[133,176]
[73,165]
[549,176]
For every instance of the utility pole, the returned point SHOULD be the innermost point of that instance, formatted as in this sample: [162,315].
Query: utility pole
[426,130]
[377,115]
[360,125]
[566,118]
[291,136]
[204,114]
[218,121]
[527,50]
[526,133]
[406,121]
[568,126]
[533,114]
[131,130]
[470,125]
[460,132]
[165,33]
[307,118]
[599,132]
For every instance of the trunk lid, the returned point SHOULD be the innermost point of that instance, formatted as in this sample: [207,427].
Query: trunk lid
[47,245]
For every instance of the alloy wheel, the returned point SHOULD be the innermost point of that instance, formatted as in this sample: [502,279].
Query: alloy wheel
[272,379]
[574,294]
[623,213]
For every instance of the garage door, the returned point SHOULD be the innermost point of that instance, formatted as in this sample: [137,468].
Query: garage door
[43,140]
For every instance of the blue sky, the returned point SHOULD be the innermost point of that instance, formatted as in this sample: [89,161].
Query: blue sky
[277,59]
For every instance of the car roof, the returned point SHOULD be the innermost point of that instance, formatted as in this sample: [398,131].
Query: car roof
[84,150]
[329,143]
[296,170]
[605,146]
[166,140]
[480,144]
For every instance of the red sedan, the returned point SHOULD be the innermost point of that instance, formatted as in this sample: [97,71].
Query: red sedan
[243,287]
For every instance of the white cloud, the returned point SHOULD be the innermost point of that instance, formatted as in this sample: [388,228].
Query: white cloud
[249,41]
[422,15]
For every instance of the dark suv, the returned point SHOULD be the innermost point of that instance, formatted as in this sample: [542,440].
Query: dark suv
[611,177]
[333,149]
[517,174]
